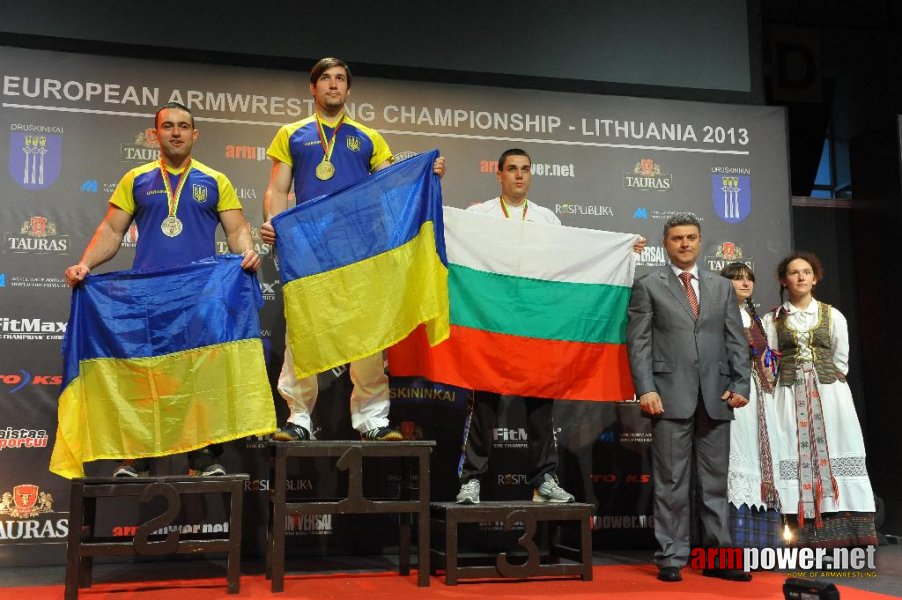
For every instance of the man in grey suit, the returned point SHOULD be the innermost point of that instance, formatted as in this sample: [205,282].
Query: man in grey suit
[690,365]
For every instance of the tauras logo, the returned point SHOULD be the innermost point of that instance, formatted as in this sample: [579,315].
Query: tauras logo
[646,176]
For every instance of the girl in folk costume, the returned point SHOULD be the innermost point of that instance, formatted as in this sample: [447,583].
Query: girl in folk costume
[754,501]
[821,471]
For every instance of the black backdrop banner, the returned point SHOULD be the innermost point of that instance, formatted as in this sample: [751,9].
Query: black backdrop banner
[74,123]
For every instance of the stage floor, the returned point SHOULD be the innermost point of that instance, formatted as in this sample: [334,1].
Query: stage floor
[616,573]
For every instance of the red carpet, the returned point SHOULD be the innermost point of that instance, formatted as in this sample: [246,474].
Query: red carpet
[619,581]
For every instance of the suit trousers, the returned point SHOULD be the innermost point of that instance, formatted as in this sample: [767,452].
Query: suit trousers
[369,398]
[483,420]
[675,443]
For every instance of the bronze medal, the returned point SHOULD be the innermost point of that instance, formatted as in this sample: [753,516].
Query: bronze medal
[171,226]
[325,170]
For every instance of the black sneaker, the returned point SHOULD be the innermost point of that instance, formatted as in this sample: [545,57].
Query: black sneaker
[203,463]
[133,467]
[382,434]
[291,433]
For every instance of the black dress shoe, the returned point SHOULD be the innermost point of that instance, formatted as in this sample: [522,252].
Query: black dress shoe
[728,574]
[670,574]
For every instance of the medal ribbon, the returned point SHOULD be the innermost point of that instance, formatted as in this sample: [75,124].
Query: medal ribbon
[173,199]
[328,145]
[507,214]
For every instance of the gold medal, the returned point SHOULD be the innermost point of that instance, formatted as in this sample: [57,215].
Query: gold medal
[325,170]
[171,226]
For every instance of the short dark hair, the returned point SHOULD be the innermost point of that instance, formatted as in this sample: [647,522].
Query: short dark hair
[324,64]
[511,152]
[737,270]
[168,105]
[679,220]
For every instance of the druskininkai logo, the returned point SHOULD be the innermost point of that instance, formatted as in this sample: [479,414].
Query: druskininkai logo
[732,197]
[35,159]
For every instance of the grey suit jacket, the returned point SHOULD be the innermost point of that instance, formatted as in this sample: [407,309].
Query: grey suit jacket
[673,354]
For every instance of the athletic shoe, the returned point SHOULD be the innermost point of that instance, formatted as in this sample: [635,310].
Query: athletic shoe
[469,492]
[202,463]
[551,491]
[133,467]
[382,434]
[291,433]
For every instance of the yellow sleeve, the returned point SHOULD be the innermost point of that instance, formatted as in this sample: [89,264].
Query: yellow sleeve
[381,151]
[278,149]
[123,196]
[228,199]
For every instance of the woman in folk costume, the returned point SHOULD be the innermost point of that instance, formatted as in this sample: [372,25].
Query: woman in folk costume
[821,472]
[754,502]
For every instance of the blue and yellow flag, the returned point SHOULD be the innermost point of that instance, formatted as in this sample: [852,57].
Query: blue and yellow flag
[161,362]
[362,267]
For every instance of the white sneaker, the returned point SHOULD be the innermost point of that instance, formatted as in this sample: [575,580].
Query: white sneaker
[551,491]
[469,492]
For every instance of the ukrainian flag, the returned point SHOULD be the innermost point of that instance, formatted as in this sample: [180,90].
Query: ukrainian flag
[161,362]
[362,267]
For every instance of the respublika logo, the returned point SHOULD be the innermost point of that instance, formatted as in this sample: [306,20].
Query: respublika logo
[595,210]
[732,196]
[726,253]
[858,562]
[35,155]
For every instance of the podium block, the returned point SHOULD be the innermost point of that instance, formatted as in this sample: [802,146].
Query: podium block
[351,457]
[84,544]
[558,560]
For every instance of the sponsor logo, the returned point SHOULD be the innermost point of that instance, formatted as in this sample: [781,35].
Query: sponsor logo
[726,253]
[222,247]
[17,381]
[353,143]
[732,196]
[641,213]
[512,479]
[416,393]
[35,158]
[31,329]
[22,438]
[308,524]
[131,530]
[143,148]
[269,290]
[30,515]
[291,485]
[25,501]
[626,478]
[33,282]
[507,437]
[37,236]
[536,169]
[199,192]
[90,185]
[584,210]
[825,562]
[653,256]
[647,176]
[623,522]
[246,193]
[245,152]
[130,239]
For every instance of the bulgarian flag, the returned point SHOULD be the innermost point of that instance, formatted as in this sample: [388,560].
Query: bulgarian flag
[536,310]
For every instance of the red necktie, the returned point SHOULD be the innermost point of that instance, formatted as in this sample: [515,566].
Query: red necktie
[686,278]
